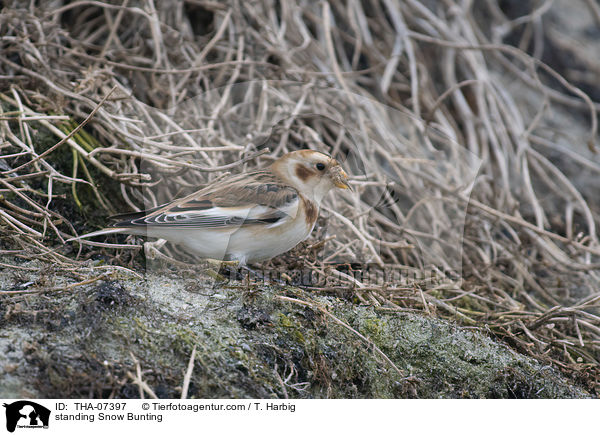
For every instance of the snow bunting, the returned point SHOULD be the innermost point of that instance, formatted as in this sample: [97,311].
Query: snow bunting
[246,217]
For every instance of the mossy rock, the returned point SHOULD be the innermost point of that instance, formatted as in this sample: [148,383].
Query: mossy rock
[250,344]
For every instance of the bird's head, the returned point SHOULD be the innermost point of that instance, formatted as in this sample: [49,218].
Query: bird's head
[311,172]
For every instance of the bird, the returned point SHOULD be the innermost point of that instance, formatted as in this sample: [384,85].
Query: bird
[244,218]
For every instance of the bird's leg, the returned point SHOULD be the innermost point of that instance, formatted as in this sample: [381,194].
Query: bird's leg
[264,277]
[238,270]
[227,269]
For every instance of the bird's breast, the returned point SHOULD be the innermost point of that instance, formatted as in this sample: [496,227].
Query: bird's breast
[311,211]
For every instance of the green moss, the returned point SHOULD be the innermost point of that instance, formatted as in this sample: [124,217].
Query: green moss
[76,202]
[284,320]
[374,328]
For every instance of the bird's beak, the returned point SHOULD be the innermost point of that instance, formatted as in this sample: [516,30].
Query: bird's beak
[340,178]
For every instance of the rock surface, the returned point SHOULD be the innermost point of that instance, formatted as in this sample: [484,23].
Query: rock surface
[251,342]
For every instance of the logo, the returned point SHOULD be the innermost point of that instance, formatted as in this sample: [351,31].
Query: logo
[26,414]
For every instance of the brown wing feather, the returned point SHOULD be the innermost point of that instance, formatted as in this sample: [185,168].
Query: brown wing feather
[260,188]
[256,188]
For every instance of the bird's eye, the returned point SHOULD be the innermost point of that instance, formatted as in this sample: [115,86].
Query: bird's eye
[320,166]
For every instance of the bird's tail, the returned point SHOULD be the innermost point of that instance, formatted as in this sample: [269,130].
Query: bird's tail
[100,233]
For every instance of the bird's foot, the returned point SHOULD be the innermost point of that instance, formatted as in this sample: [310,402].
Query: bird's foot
[233,271]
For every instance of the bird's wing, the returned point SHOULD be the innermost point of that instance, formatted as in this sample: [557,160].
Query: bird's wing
[258,198]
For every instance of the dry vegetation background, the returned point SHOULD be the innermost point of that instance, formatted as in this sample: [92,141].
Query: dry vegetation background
[80,139]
